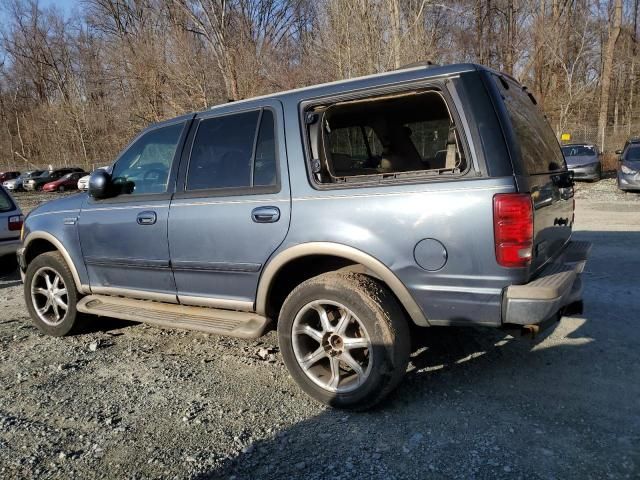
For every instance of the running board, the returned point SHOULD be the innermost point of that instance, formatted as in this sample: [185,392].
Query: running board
[169,315]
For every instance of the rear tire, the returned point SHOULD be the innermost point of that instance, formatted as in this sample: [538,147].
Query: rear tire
[50,294]
[363,326]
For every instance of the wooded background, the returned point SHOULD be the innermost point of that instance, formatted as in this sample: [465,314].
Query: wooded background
[75,88]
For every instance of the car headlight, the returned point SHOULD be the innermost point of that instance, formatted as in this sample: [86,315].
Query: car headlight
[626,170]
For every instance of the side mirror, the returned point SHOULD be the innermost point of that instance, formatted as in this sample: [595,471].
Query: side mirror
[100,184]
[618,152]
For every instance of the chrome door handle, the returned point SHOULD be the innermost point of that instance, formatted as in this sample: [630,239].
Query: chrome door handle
[265,214]
[147,218]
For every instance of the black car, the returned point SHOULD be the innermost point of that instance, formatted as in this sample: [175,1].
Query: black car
[37,182]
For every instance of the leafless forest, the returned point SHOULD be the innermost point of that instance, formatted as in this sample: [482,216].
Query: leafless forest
[74,88]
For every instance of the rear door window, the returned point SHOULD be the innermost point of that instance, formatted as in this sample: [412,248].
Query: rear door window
[233,151]
[539,147]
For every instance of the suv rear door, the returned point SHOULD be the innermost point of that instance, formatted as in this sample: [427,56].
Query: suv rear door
[539,167]
[232,206]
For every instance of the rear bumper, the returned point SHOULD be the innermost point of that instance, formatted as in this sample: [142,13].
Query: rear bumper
[7,247]
[558,285]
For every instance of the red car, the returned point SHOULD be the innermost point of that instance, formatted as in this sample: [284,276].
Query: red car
[68,182]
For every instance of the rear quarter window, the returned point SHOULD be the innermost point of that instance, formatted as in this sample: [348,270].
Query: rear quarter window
[539,147]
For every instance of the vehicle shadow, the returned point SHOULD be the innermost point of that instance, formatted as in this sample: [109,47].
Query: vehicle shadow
[9,279]
[458,396]
[477,403]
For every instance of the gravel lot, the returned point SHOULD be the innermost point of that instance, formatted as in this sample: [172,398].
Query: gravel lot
[123,400]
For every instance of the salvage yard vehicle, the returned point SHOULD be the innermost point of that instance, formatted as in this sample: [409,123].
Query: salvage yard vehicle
[346,214]
[16,184]
[584,160]
[10,225]
[628,172]
[4,176]
[37,182]
[68,182]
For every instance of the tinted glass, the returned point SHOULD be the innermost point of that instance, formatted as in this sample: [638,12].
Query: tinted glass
[264,169]
[145,166]
[222,152]
[5,202]
[538,144]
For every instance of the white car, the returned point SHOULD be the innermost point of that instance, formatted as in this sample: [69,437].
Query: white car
[83,183]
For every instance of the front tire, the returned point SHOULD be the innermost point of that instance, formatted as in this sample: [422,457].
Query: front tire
[50,294]
[61,188]
[344,339]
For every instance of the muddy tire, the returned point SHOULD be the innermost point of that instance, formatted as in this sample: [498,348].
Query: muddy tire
[344,339]
[50,294]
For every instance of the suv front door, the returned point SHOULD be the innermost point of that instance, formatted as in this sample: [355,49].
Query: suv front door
[124,237]
[232,207]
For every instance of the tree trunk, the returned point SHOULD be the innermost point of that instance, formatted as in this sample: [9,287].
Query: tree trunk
[607,70]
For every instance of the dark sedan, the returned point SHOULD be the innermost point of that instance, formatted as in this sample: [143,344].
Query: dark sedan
[584,160]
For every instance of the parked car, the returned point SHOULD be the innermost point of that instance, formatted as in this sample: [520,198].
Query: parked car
[4,176]
[428,196]
[38,182]
[629,166]
[83,183]
[16,184]
[68,182]
[584,160]
[10,225]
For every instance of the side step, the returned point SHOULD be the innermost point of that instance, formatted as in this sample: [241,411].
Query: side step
[168,315]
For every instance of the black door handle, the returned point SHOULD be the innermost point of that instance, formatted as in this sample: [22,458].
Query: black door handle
[265,214]
[147,218]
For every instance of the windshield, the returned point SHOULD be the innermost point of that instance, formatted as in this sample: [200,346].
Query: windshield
[578,150]
[632,154]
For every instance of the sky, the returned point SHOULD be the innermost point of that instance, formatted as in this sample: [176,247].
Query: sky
[64,5]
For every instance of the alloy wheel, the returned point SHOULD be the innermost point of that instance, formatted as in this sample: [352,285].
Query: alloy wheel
[332,346]
[49,296]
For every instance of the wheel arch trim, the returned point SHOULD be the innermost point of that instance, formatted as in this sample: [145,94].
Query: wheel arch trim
[378,268]
[63,251]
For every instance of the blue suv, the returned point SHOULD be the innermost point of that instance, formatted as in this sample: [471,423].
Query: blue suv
[341,214]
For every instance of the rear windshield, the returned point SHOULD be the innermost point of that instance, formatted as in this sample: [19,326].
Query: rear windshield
[578,150]
[6,204]
[538,144]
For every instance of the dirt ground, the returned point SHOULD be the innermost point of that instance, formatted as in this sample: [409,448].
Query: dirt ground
[123,400]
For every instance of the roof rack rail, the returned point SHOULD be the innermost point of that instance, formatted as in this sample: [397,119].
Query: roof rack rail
[421,63]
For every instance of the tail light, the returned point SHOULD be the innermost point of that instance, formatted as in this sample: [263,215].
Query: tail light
[15,222]
[513,229]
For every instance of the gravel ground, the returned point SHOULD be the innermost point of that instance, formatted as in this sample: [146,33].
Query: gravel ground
[123,400]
